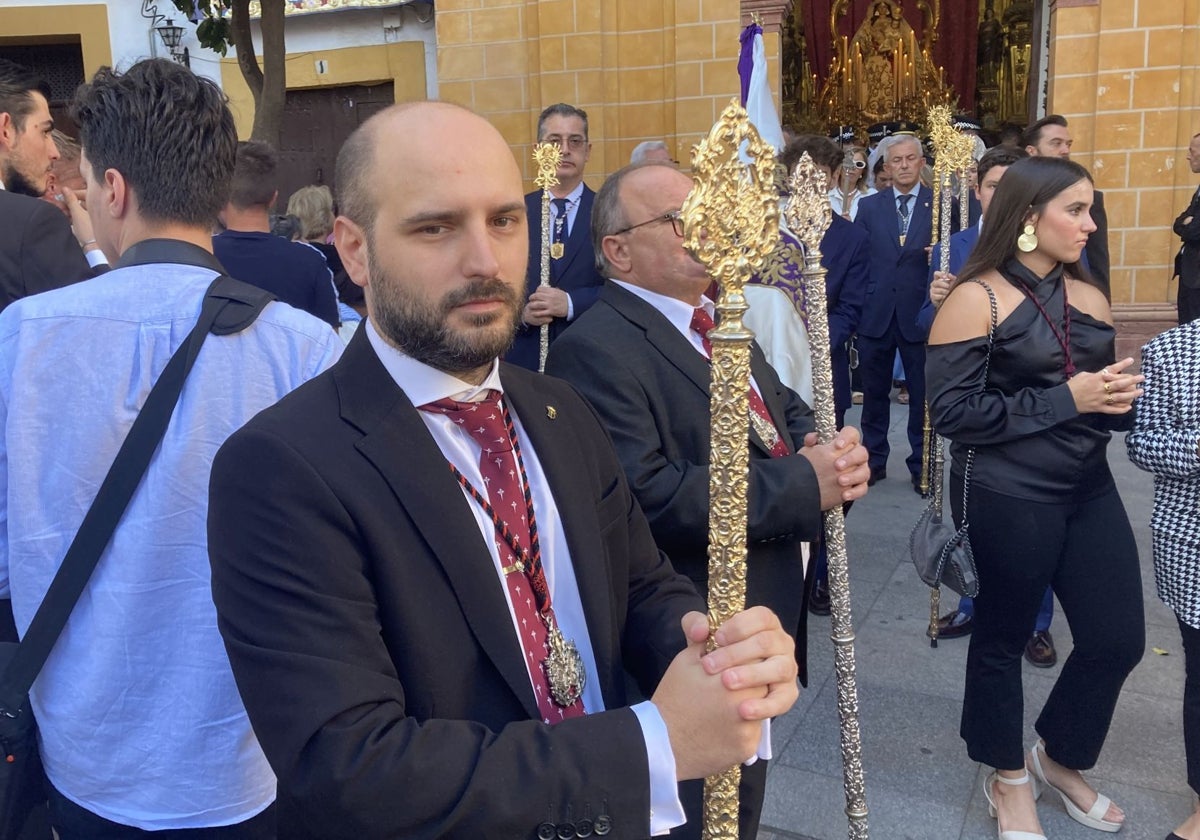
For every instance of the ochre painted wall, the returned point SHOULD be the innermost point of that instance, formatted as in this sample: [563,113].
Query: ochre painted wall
[88,23]
[402,63]
[1126,74]
[642,69]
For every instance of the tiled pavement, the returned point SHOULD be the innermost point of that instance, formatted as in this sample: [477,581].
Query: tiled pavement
[920,784]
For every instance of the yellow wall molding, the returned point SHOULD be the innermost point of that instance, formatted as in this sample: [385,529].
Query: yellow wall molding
[85,24]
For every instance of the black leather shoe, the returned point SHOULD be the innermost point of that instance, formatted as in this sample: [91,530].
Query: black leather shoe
[877,474]
[818,599]
[954,625]
[1039,650]
[916,484]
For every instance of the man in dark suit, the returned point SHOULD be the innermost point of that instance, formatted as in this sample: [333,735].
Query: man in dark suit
[1187,261]
[1050,136]
[574,282]
[375,587]
[639,357]
[38,250]
[898,223]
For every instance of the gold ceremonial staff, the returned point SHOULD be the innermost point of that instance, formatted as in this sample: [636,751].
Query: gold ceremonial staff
[547,157]
[808,215]
[953,154]
[730,224]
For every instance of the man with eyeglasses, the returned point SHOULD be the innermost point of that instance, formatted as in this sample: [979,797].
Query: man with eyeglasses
[640,357]
[574,283]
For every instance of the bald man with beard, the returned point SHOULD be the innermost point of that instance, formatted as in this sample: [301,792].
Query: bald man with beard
[374,584]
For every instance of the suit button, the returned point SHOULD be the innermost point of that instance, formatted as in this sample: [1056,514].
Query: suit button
[583,828]
[566,830]
[546,831]
[603,825]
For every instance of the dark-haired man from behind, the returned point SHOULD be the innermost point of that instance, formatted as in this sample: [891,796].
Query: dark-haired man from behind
[141,729]
[38,250]
[574,283]
[295,273]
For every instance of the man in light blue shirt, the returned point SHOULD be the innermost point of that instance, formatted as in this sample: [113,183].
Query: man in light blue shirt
[141,727]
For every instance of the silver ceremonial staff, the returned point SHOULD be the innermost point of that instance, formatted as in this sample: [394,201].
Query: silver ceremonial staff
[808,215]
[952,154]
[730,224]
[547,157]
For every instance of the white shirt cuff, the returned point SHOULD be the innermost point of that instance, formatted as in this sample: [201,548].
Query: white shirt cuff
[96,257]
[570,308]
[666,811]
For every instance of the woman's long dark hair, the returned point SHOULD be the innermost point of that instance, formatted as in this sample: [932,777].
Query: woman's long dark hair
[1027,187]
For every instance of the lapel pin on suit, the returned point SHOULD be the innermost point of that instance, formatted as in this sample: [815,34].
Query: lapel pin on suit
[551,412]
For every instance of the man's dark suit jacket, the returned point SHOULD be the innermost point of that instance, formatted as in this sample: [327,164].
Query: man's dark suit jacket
[650,387]
[370,636]
[1095,253]
[844,253]
[1187,228]
[574,273]
[38,252]
[899,273]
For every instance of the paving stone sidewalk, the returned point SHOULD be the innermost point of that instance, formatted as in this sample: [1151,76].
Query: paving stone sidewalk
[920,783]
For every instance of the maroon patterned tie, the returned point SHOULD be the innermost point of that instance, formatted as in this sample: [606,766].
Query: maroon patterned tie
[507,500]
[702,322]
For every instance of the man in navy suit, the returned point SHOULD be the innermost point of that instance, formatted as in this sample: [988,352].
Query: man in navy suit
[844,256]
[574,282]
[898,223]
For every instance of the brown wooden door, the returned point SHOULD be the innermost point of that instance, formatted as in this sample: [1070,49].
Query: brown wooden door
[315,124]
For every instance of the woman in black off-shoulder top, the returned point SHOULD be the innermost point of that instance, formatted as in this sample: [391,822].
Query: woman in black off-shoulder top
[1043,508]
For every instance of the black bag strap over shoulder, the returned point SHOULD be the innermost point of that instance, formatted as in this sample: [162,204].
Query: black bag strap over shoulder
[229,306]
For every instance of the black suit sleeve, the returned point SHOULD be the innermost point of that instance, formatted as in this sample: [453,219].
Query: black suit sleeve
[1097,246]
[671,487]
[49,256]
[1187,225]
[847,308]
[292,579]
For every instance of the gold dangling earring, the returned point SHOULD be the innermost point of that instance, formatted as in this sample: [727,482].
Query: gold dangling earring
[1028,240]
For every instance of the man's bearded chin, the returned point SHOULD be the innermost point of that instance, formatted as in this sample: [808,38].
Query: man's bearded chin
[15,182]
[423,333]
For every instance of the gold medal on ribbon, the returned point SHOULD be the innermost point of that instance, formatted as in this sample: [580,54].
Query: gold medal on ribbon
[564,667]
[556,250]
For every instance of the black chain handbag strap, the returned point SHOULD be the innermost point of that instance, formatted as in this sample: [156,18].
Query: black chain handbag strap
[987,363]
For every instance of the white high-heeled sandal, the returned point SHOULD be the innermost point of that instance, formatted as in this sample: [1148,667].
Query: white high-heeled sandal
[1004,780]
[1094,816]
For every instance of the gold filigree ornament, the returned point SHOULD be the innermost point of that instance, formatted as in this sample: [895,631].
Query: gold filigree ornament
[547,156]
[730,224]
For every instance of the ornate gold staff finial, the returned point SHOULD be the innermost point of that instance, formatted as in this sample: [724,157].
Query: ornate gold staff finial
[952,151]
[547,156]
[730,224]
[808,216]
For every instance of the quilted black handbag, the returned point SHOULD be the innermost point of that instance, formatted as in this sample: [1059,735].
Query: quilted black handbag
[941,553]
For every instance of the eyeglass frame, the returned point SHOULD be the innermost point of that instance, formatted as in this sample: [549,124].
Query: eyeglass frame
[675,217]
[574,142]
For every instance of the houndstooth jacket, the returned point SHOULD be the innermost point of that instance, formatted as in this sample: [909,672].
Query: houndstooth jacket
[1164,441]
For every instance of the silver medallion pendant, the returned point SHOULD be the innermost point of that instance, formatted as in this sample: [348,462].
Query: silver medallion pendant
[564,668]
